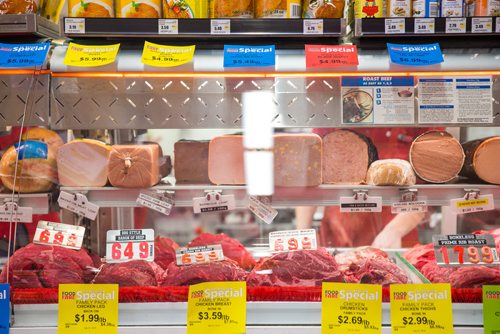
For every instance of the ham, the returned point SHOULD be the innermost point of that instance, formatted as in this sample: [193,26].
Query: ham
[391,172]
[482,158]
[83,163]
[297,160]
[225,160]
[346,157]
[436,156]
[191,161]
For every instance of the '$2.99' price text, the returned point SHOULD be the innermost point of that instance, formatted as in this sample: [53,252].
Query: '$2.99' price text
[417,321]
[89,318]
[213,316]
[128,250]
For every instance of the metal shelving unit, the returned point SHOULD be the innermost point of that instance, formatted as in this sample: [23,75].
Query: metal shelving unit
[27,25]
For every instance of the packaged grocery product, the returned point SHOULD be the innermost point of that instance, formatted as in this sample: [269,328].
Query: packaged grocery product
[369,9]
[90,8]
[42,134]
[425,8]
[231,8]
[18,6]
[277,8]
[191,161]
[391,172]
[452,8]
[470,7]
[323,9]
[51,9]
[482,158]
[399,8]
[138,9]
[487,8]
[185,9]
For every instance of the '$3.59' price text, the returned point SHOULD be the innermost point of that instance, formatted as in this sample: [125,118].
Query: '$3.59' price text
[212,316]
[89,318]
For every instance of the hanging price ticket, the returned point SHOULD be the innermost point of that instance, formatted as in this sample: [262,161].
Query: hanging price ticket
[284,241]
[127,245]
[57,234]
[465,250]
[90,55]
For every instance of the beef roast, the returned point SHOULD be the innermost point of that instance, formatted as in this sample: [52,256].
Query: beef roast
[218,271]
[165,251]
[232,248]
[298,268]
[132,273]
[420,255]
[475,277]
[437,274]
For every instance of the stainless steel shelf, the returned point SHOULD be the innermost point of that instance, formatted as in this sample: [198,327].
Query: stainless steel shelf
[39,202]
[325,195]
[27,24]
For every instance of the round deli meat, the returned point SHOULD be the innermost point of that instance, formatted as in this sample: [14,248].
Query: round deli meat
[346,157]
[391,172]
[436,156]
[482,158]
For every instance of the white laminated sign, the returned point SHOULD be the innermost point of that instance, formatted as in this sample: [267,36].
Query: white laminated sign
[79,204]
[291,240]
[128,245]
[198,255]
[11,212]
[162,203]
[213,202]
[261,209]
[57,234]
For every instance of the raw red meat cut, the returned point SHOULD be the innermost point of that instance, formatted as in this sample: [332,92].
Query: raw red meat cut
[298,268]
[217,271]
[37,266]
[420,255]
[132,273]
[437,274]
[475,277]
[165,251]
[232,248]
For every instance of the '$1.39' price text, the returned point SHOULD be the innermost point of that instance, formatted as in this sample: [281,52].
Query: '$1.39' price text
[212,316]
[89,318]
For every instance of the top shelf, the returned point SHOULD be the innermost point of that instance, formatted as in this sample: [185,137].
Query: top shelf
[27,25]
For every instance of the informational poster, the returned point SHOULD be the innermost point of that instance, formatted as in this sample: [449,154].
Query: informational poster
[378,100]
[455,100]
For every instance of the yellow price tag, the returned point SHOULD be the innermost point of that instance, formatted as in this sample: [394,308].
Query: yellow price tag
[166,56]
[351,308]
[90,55]
[88,308]
[217,307]
[421,308]
[472,202]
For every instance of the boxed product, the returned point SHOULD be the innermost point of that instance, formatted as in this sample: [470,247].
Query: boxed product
[185,9]
[231,8]
[369,9]
[399,8]
[277,9]
[138,9]
[487,8]
[323,9]
[90,8]
[452,8]
[425,8]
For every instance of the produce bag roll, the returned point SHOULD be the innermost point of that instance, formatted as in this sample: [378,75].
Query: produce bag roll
[436,156]
[346,157]
[482,159]
[191,161]
[225,160]
[391,172]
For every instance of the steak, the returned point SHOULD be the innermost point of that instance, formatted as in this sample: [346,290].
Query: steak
[232,248]
[38,266]
[132,273]
[165,251]
[298,268]
[218,271]
[475,277]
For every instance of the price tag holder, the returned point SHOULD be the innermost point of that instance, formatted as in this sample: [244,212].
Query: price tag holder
[4,308]
[477,204]
[482,25]
[395,26]
[262,209]
[361,202]
[456,25]
[213,202]
[220,27]
[217,307]
[165,55]
[465,250]
[128,245]
[425,26]
[57,234]
[414,206]
[351,308]
[11,212]
[78,203]
[421,308]
[90,55]
[168,27]
[200,254]
[23,55]
[291,240]
[74,25]
[313,27]
[88,308]
[491,307]
[157,201]
[497,25]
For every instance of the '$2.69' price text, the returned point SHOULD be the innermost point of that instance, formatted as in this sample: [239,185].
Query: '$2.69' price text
[352,320]
[212,316]
[89,318]
[128,250]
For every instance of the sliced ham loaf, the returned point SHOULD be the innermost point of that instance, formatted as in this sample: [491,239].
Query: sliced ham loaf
[83,163]
[391,172]
[482,160]
[225,160]
[436,156]
[346,157]
[297,160]
[191,161]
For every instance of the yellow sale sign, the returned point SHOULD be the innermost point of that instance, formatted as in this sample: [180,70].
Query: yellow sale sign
[90,55]
[165,55]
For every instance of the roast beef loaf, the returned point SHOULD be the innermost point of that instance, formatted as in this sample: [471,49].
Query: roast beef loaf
[132,273]
[191,161]
[225,160]
[346,157]
[165,251]
[391,172]
[297,268]
[217,271]
[297,160]
[436,156]
[482,160]
[231,248]
[83,163]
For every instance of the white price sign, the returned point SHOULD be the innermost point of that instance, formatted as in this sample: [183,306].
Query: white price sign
[395,26]
[128,245]
[57,234]
[168,27]
[162,203]
[220,27]
[11,212]
[291,240]
[456,25]
[361,204]
[213,202]
[313,27]
[79,204]
[74,25]
[414,206]
[481,203]
[262,210]
[425,26]
[482,25]
[200,254]
[497,25]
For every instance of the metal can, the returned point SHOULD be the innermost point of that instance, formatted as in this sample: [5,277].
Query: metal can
[271,9]
[231,9]
[138,9]
[185,9]
[90,8]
